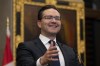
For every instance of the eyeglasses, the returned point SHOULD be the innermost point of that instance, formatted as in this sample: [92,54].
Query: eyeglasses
[49,17]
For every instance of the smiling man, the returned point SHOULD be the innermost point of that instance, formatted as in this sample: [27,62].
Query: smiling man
[45,50]
[50,23]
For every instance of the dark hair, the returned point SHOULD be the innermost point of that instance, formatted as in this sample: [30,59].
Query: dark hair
[40,13]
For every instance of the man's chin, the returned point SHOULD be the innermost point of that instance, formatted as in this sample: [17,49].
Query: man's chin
[53,33]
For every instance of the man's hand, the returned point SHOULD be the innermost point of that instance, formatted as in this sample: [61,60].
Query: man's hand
[48,56]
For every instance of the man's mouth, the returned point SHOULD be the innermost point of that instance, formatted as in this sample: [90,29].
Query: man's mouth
[53,26]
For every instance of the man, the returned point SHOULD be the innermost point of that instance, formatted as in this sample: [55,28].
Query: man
[45,50]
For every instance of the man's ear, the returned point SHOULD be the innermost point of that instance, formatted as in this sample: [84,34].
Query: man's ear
[39,23]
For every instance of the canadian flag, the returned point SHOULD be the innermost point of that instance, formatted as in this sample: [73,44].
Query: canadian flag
[8,57]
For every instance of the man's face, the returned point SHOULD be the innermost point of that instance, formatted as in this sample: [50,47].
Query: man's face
[50,22]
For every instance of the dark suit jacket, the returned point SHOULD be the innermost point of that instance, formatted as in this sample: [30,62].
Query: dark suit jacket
[28,53]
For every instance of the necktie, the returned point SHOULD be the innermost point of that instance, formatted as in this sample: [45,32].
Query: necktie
[54,63]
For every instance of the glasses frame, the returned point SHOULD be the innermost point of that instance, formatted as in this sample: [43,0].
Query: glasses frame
[50,17]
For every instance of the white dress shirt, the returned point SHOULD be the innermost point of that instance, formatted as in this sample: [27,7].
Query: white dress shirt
[45,41]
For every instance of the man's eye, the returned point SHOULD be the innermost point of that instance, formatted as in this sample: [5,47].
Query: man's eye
[49,17]
[57,18]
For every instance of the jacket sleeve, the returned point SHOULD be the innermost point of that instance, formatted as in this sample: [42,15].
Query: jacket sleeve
[75,59]
[24,56]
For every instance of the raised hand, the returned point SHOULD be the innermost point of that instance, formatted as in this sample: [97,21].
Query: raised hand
[49,55]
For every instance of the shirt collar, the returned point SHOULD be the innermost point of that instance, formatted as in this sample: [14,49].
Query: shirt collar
[45,39]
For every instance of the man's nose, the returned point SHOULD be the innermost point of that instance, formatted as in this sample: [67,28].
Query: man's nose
[53,20]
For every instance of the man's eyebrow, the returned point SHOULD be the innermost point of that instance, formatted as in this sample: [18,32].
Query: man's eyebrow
[52,15]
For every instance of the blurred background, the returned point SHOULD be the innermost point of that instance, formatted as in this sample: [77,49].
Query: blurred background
[92,27]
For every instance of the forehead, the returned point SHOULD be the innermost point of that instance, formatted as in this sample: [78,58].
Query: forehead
[51,11]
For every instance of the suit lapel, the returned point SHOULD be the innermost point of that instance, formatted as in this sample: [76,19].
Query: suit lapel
[40,45]
[64,52]
[43,49]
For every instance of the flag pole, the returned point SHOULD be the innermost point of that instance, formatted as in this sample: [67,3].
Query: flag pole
[8,32]
[7,21]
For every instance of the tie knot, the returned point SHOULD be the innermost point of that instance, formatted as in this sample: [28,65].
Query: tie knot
[52,41]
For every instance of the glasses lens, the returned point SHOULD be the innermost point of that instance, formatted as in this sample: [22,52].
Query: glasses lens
[51,17]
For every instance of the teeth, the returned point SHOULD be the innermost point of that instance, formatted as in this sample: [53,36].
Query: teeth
[53,26]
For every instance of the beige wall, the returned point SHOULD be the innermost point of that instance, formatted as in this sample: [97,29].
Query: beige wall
[5,11]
